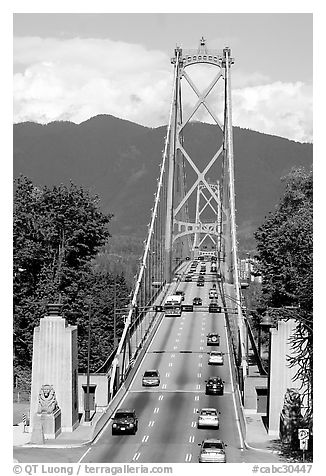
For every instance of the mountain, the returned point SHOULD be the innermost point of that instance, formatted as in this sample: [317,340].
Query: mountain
[119,161]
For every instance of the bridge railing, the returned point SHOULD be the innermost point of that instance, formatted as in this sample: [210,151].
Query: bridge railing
[152,270]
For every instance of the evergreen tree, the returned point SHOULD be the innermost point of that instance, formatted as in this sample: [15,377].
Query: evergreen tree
[57,232]
[285,252]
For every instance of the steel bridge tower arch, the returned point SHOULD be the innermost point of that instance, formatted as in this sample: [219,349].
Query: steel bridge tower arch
[222,195]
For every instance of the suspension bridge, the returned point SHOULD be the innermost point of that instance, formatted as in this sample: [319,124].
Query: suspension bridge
[190,219]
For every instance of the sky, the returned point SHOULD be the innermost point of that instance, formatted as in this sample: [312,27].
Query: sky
[75,66]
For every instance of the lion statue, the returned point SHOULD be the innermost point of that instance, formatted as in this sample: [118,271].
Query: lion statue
[47,401]
[292,403]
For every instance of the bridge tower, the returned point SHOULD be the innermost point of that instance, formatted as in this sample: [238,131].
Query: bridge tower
[218,195]
[205,200]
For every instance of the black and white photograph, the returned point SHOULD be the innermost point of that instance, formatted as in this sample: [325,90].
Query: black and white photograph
[162,239]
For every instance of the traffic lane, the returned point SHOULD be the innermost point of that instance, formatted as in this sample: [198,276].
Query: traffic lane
[122,448]
[228,429]
[132,445]
[160,430]
[172,432]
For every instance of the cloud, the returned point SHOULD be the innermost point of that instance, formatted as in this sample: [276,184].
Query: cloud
[282,109]
[74,79]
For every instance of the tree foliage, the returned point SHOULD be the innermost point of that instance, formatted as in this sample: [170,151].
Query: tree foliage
[57,233]
[285,253]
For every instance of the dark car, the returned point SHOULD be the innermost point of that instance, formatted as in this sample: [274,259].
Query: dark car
[197,301]
[200,283]
[188,278]
[213,339]
[124,421]
[214,386]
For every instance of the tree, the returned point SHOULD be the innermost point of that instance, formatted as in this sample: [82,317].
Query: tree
[57,233]
[285,253]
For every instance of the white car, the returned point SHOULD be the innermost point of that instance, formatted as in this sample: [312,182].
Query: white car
[208,417]
[215,358]
[213,294]
[212,451]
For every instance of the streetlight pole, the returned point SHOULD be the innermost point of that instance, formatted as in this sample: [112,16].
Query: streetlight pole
[87,403]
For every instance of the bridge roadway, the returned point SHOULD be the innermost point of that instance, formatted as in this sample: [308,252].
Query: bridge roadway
[167,430]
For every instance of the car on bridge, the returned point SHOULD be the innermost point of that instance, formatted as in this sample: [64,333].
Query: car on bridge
[180,293]
[188,278]
[212,451]
[208,417]
[151,378]
[213,338]
[197,301]
[125,421]
[212,294]
[215,358]
[214,386]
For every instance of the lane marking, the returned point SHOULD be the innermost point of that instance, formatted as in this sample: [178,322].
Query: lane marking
[136,456]
[191,439]
[131,384]
[151,423]
[161,397]
[175,347]
[170,364]
[188,457]
[156,410]
[201,348]
[164,385]
[83,456]
[167,374]
[196,397]
[145,438]
[201,340]
[195,410]
[198,386]
[200,356]
[172,356]
[199,375]
[200,364]
[193,424]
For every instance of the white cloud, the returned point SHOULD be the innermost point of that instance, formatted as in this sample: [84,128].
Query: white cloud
[74,79]
[282,109]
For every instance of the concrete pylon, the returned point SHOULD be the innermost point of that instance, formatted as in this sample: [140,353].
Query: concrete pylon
[55,362]
[281,375]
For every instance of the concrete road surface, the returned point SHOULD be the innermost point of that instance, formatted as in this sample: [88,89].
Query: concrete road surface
[167,431]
